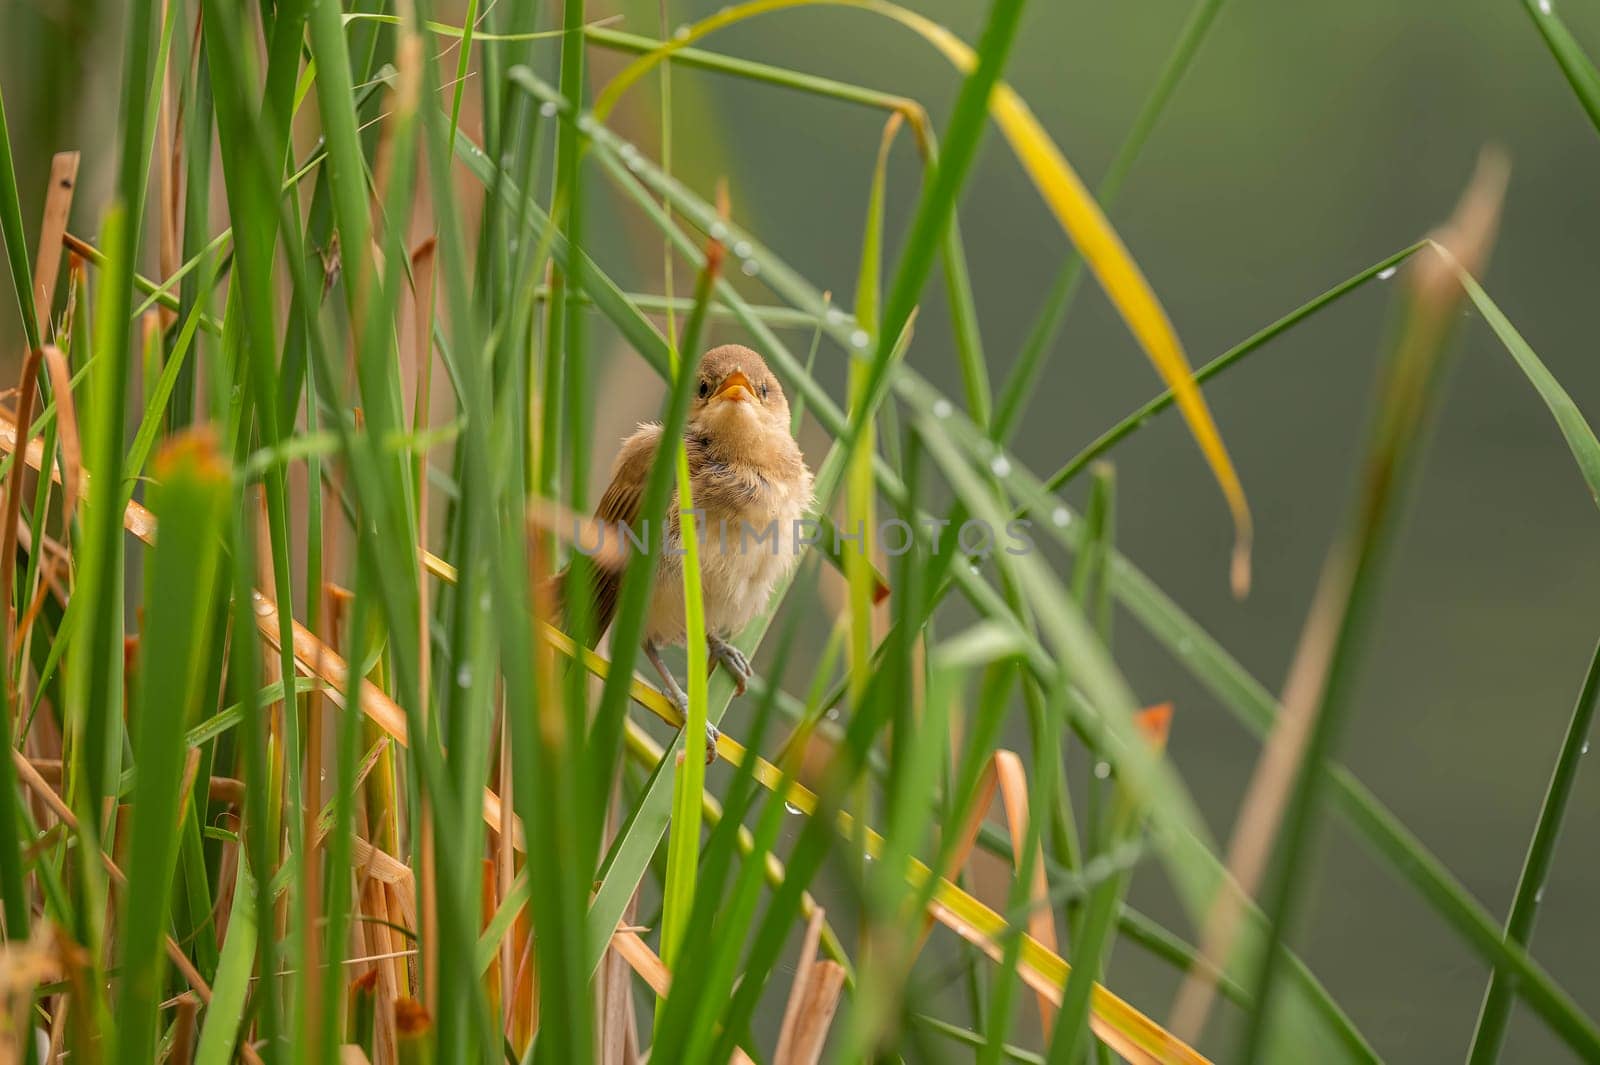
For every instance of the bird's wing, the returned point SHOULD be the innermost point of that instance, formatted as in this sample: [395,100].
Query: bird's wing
[619,505]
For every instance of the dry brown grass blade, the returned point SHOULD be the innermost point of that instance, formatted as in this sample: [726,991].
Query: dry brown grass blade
[792,1011]
[1435,293]
[617,1022]
[817,1007]
[1013,780]
[220,789]
[350,1054]
[52,231]
[187,1010]
[55,363]
[16,484]
[525,1002]
[642,960]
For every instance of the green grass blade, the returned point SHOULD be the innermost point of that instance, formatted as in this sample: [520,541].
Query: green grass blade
[1496,1010]
[1579,436]
[1140,417]
[229,991]
[1569,54]
[190,500]
[11,230]
[683,846]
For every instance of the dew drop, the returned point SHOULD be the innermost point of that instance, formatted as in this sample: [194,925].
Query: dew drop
[742,249]
[681,33]
[633,162]
[1061,516]
[1538,896]
[792,808]
[548,109]
[832,714]
[942,408]
[835,316]
[859,338]
[1001,466]
[718,231]
[1585,748]
[263,607]
[1544,7]
[750,268]
[1102,770]
[1387,272]
[464,676]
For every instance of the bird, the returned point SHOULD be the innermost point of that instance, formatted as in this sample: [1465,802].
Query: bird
[751,489]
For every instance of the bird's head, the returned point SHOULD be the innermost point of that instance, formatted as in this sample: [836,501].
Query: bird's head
[738,401]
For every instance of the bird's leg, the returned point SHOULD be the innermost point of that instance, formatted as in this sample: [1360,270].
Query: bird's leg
[674,693]
[732,659]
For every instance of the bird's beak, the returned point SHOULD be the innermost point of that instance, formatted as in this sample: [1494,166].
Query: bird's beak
[736,387]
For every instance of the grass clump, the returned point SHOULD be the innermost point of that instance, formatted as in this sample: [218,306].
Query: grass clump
[299,765]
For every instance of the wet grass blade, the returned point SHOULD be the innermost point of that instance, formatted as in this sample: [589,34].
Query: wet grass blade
[1496,1010]
[1569,54]
[1140,417]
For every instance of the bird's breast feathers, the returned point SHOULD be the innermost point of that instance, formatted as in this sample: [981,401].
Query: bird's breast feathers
[750,536]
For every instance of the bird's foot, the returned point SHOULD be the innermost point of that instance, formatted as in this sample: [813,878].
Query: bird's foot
[676,696]
[712,736]
[733,660]
[680,701]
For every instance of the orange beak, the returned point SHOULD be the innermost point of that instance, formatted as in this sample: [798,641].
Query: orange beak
[736,387]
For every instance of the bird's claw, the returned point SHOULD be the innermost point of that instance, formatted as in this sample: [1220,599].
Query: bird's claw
[680,701]
[734,661]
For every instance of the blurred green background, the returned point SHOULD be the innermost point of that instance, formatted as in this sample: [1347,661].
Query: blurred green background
[1306,142]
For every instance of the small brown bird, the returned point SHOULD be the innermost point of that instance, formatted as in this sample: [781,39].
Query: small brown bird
[750,487]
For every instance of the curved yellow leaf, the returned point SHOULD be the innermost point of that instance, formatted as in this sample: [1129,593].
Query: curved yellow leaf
[1074,208]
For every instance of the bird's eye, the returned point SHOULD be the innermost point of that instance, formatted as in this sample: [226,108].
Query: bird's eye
[763,391]
[705,389]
